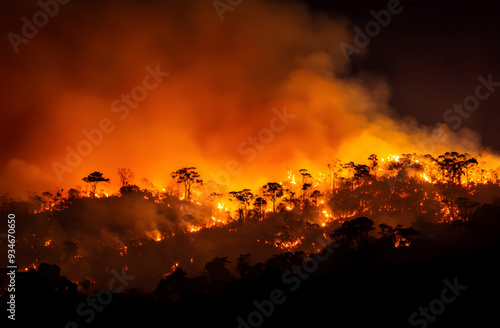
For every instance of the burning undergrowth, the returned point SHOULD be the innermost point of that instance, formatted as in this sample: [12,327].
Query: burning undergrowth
[89,231]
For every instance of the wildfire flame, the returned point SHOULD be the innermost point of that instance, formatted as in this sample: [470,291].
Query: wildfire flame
[155,235]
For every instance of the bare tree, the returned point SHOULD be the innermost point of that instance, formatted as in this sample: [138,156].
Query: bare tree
[126,176]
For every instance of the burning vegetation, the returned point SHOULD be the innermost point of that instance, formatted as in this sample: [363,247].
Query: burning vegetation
[89,229]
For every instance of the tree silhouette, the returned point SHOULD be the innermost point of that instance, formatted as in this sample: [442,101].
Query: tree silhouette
[361,171]
[468,165]
[93,179]
[406,236]
[173,285]
[242,266]
[399,236]
[187,176]
[451,165]
[306,184]
[354,231]
[243,198]
[259,204]
[315,195]
[273,191]
[129,189]
[350,168]
[332,167]
[387,232]
[126,176]
[216,269]
[73,194]
[290,199]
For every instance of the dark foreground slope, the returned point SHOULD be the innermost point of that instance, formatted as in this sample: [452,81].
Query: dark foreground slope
[454,276]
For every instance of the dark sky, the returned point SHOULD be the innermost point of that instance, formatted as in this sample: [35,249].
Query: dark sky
[431,54]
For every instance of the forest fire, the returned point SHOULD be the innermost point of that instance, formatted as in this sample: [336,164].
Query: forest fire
[245,163]
[406,175]
[442,189]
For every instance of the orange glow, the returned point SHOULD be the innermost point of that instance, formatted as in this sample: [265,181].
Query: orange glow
[155,235]
[194,229]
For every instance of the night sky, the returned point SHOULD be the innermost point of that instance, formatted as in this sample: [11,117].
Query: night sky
[431,55]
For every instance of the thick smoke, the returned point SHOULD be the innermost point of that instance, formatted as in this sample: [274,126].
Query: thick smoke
[225,78]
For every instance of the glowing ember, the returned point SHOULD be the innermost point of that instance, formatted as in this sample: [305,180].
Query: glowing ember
[194,229]
[155,235]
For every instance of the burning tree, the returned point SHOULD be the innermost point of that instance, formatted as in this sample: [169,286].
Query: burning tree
[405,235]
[334,169]
[453,165]
[469,164]
[361,171]
[306,184]
[273,191]
[188,176]
[93,179]
[243,198]
[349,167]
[399,236]
[259,204]
[373,163]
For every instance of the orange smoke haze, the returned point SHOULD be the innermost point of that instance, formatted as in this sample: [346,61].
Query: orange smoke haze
[224,81]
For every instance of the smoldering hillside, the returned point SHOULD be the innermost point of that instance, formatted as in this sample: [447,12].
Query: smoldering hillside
[92,237]
[150,235]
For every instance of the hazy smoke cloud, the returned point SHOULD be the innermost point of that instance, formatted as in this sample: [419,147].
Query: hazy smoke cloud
[225,80]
